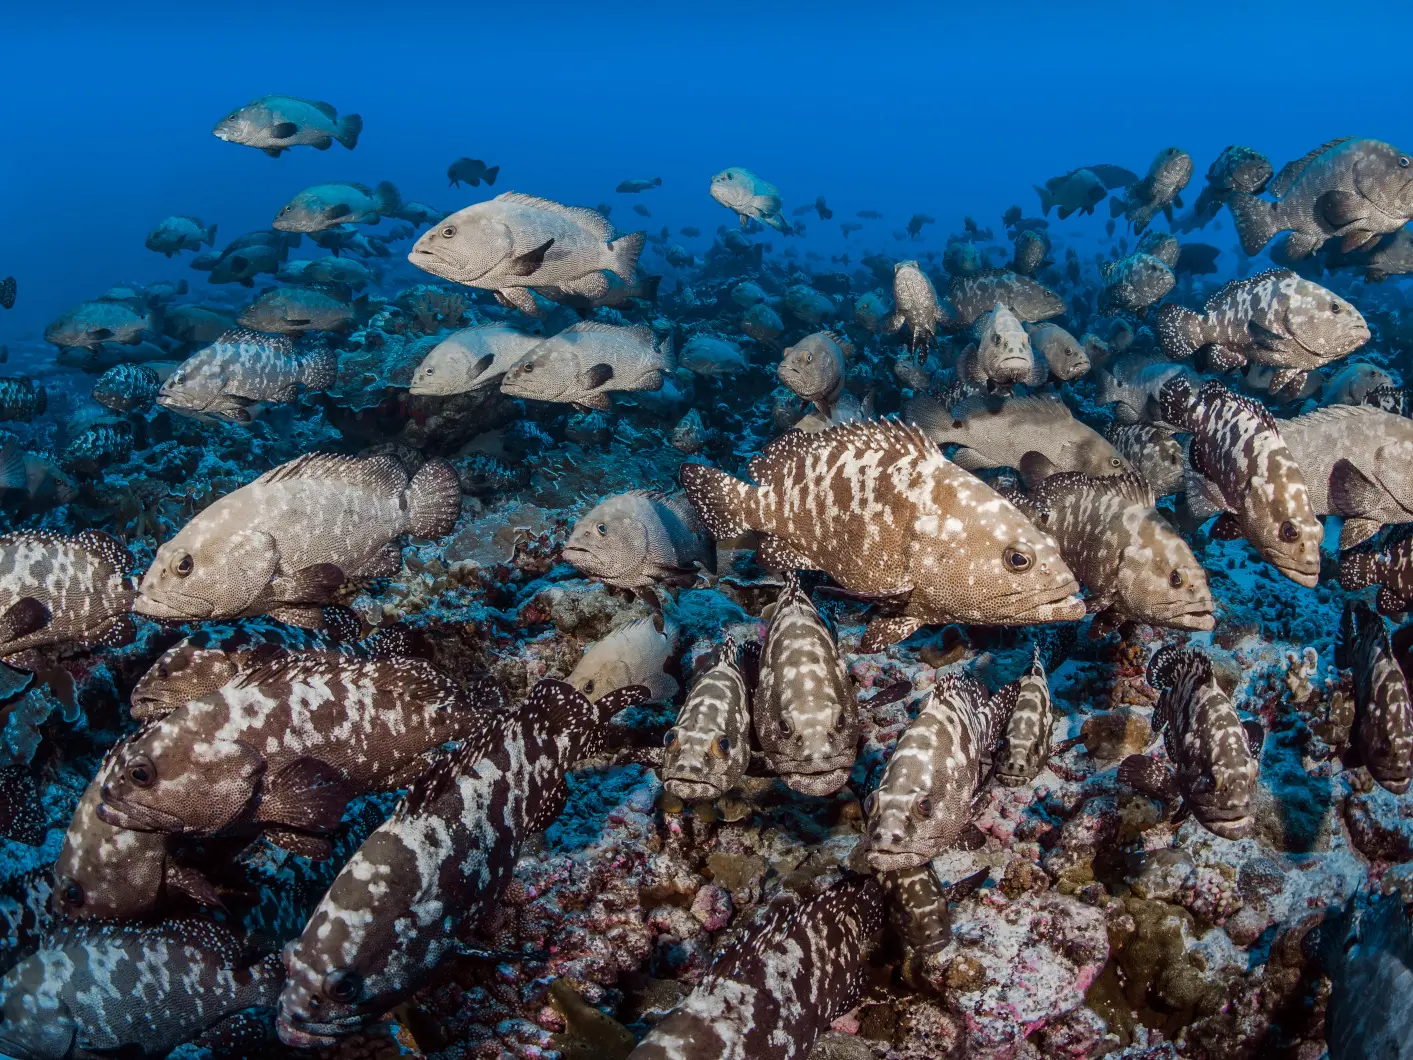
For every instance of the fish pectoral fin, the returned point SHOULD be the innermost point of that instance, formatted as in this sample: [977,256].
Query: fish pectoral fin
[1339,208]
[308,794]
[1390,602]
[386,562]
[1355,532]
[273,152]
[972,838]
[598,402]
[313,847]
[1288,379]
[26,615]
[1106,622]
[1351,491]
[775,553]
[888,629]
[597,375]
[283,130]
[293,615]
[312,584]
[193,884]
[1226,528]
[1036,467]
[116,633]
[1148,776]
[530,261]
[1223,358]
[1255,736]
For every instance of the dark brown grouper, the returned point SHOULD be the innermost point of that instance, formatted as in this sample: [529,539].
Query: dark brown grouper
[1389,567]
[882,511]
[1025,748]
[1129,559]
[438,864]
[124,989]
[285,543]
[778,985]
[974,296]
[57,590]
[806,713]
[920,915]
[923,803]
[1215,753]
[284,746]
[1382,733]
[1247,472]
[1367,952]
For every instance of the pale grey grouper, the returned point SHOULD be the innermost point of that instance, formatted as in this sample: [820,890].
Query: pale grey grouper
[1353,190]
[1358,463]
[879,508]
[773,990]
[241,369]
[274,124]
[1215,754]
[924,801]
[1275,318]
[640,539]
[58,590]
[515,242]
[285,543]
[806,712]
[438,865]
[1029,300]
[1382,733]
[471,358]
[283,747]
[916,306]
[1244,470]
[1133,564]
[749,197]
[584,363]
[100,990]
[708,748]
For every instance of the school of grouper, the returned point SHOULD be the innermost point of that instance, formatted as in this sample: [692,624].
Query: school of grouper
[283,707]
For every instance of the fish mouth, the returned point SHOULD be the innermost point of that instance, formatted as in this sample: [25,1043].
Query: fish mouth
[896,860]
[137,818]
[1231,827]
[152,607]
[1299,574]
[816,782]
[1069,608]
[1011,780]
[301,1035]
[693,789]
[1396,784]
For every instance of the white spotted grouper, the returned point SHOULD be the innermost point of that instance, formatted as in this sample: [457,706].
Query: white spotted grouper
[806,713]
[1245,470]
[438,865]
[1382,733]
[133,989]
[283,746]
[879,508]
[57,590]
[920,915]
[923,803]
[773,990]
[708,748]
[916,307]
[1025,747]
[1216,755]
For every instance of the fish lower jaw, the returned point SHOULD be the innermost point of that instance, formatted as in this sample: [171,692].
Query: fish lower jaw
[1200,621]
[896,860]
[1232,828]
[150,607]
[819,784]
[692,790]
[136,818]
[1299,575]
[298,1038]
[1069,609]
[1396,785]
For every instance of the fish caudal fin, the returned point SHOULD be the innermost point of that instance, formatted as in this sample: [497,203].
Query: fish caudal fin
[491,173]
[387,198]
[1046,199]
[350,128]
[625,250]
[319,370]
[1179,330]
[1255,218]
[722,501]
[209,236]
[434,499]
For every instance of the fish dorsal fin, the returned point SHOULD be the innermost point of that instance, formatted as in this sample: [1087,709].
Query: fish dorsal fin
[327,109]
[1290,172]
[108,548]
[382,473]
[1245,283]
[1130,485]
[590,220]
[1213,390]
[1332,413]
[245,337]
[437,779]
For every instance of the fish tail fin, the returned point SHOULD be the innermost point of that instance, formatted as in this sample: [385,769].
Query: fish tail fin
[1107,390]
[387,198]
[1353,622]
[434,499]
[648,288]
[1256,220]
[723,502]
[319,370]
[1174,397]
[625,251]
[657,182]
[1179,330]
[350,128]
[13,475]
[667,353]
[778,223]
[41,400]
[1357,570]
[1046,199]
[209,236]
[491,173]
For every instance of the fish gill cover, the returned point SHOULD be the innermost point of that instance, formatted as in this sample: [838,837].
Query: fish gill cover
[792,532]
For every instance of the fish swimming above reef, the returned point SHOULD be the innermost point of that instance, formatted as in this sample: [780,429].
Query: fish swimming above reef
[59,590]
[472,171]
[122,388]
[1382,731]
[749,197]
[93,323]
[1029,300]
[451,844]
[953,551]
[285,543]
[814,368]
[243,369]
[1025,746]
[1159,190]
[471,358]
[916,305]
[631,187]
[274,124]
[20,399]
[295,310]
[779,984]
[584,363]
[326,205]
[180,233]
[1001,356]
[708,748]
[640,539]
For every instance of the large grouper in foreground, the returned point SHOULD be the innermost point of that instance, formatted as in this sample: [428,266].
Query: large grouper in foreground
[879,509]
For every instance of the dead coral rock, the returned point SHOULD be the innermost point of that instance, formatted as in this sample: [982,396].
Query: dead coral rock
[1380,824]
[584,609]
[1159,970]
[836,1046]
[736,872]
[1116,734]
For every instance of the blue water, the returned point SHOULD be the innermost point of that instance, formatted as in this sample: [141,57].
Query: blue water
[948,109]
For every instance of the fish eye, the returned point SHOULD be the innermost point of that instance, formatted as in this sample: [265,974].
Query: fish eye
[871,803]
[343,986]
[142,773]
[996,338]
[1334,307]
[1115,462]
[1403,161]
[72,894]
[809,358]
[784,726]
[723,744]
[924,806]
[184,565]
[287,209]
[670,738]
[1288,531]
[589,687]
[1175,579]
[1018,559]
[528,367]
[448,231]
[602,529]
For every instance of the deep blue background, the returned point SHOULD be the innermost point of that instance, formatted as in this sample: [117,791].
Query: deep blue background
[945,108]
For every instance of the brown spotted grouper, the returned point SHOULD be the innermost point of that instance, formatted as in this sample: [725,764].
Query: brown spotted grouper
[58,590]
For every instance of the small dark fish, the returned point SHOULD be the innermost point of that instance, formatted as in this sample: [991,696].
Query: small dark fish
[1196,259]
[123,388]
[97,446]
[1389,567]
[1382,733]
[20,399]
[869,215]
[1025,747]
[709,747]
[777,987]
[630,187]
[472,171]
[7,292]
[691,231]
[916,222]
[1160,189]
[1237,168]
[825,213]
[641,210]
